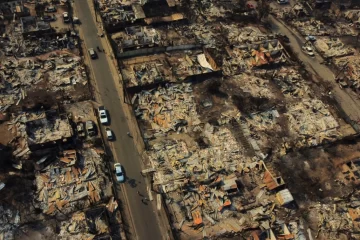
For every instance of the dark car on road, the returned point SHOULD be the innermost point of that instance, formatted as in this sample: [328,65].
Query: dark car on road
[92,53]
[47,18]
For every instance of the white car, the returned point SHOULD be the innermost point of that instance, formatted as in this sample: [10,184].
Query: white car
[103,115]
[66,17]
[76,20]
[109,134]
[119,172]
[308,50]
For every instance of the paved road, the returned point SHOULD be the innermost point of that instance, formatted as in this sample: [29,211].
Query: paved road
[347,99]
[143,216]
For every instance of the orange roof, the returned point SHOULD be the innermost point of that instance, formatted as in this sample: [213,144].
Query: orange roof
[197,217]
[269,181]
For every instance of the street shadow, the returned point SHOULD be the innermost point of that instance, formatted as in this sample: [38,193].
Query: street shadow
[132,182]
[109,118]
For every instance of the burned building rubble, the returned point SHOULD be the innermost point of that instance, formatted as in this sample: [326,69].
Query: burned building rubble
[209,166]
[332,32]
[68,179]
[9,9]
[77,179]
[118,15]
[53,177]
[16,42]
[241,141]
[172,67]
[139,37]
[214,142]
[57,72]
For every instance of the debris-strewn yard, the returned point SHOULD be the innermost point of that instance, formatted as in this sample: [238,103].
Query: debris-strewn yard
[240,142]
[54,182]
[220,147]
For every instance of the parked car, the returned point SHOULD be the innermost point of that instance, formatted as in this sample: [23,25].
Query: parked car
[308,50]
[119,172]
[103,115]
[50,9]
[76,20]
[47,18]
[90,128]
[80,129]
[283,1]
[310,38]
[92,53]
[109,134]
[66,17]
[342,82]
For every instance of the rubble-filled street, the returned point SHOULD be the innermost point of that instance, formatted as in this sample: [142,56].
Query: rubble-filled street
[221,119]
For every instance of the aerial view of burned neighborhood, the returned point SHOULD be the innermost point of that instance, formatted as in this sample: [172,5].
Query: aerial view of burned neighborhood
[179,119]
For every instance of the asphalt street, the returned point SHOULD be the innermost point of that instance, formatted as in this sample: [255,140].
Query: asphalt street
[143,215]
[347,99]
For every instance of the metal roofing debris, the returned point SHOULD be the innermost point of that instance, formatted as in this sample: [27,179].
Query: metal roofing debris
[48,130]
[153,107]
[172,67]
[112,205]
[62,185]
[84,225]
[203,62]
[284,197]
[59,71]
[332,47]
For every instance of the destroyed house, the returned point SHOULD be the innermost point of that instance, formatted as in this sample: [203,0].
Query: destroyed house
[161,12]
[32,26]
[136,37]
[256,55]
[64,184]
[116,17]
[283,233]
[176,66]
[89,224]
[154,8]
[271,182]
[342,4]
[48,131]
[13,9]
[351,171]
